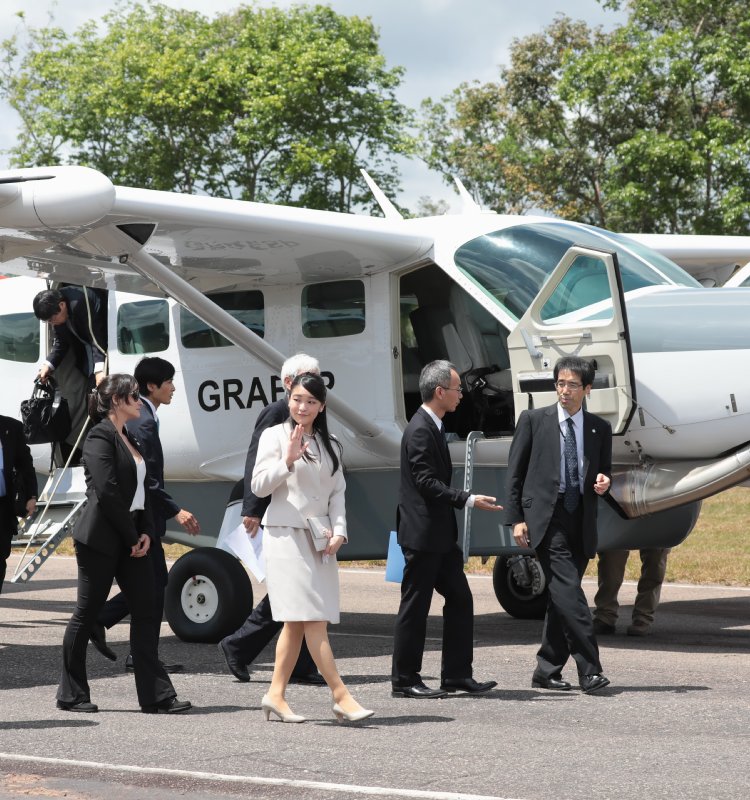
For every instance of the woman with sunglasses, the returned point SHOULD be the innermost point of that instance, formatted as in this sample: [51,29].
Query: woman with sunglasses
[112,540]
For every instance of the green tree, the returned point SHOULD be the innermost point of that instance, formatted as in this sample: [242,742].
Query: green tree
[262,104]
[644,128]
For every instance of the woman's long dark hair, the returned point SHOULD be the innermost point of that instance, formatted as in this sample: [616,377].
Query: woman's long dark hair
[119,385]
[314,384]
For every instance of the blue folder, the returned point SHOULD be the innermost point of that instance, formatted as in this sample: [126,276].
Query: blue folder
[394,566]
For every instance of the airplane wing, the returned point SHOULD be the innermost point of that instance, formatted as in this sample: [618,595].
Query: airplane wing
[709,259]
[51,221]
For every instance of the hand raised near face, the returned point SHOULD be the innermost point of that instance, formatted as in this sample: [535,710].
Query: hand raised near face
[296,446]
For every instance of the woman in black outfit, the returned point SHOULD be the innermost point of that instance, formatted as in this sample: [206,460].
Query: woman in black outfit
[112,539]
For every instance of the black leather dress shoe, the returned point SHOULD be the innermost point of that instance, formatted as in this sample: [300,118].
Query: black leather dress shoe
[238,670]
[169,706]
[593,683]
[98,637]
[170,668]
[311,679]
[468,685]
[417,690]
[84,706]
[538,682]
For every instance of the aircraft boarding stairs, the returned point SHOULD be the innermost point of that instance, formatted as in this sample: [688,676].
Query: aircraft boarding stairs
[58,507]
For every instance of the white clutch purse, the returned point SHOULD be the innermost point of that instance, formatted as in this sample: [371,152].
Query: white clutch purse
[318,527]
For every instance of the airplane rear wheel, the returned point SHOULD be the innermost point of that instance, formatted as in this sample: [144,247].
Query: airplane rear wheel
[208,596]
[519,586]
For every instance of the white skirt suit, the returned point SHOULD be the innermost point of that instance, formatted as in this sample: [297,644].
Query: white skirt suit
[302,587]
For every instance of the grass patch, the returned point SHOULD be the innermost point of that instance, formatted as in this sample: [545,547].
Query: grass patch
[717,551]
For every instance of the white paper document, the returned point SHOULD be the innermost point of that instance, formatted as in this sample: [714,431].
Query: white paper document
[248,550]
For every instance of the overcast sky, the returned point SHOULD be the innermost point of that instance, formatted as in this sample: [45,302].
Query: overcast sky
[440,43]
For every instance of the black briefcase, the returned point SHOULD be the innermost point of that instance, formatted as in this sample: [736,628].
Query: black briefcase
[45,415]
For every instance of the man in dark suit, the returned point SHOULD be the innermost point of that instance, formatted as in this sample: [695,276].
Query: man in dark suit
[559,464]
[244,645]
[154,376]
[428,535]
[17,476]
[78,317]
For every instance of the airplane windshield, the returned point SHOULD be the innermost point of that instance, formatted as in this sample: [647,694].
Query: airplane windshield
[512,264]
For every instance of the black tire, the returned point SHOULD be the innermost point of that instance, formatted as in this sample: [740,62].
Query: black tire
[519,601]
[208,596]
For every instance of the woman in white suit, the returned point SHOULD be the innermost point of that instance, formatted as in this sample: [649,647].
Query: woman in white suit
[299,466]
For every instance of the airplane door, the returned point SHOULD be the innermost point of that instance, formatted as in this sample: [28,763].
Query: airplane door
[580,311]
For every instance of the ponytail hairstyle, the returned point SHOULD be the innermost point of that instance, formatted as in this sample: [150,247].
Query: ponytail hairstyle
[315,385]
[120,386]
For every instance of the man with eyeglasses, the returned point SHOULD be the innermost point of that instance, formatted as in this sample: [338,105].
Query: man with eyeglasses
[428,535]
[560,463]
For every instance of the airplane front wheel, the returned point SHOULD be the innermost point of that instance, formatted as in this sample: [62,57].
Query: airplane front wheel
[519,586]
[208,596]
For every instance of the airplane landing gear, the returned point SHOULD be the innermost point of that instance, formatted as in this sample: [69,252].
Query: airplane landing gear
[208,596]
[519,586]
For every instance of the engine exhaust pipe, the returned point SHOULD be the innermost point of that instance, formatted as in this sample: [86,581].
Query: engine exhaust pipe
[658,486]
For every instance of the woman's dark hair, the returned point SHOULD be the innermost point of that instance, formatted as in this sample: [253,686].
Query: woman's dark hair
[120,386]
[316,386]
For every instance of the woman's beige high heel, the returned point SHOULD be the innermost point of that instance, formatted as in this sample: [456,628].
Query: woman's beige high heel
[268,707]
[351,716]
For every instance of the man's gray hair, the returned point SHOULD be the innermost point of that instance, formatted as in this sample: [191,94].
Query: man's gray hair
[297,364]
[434,374]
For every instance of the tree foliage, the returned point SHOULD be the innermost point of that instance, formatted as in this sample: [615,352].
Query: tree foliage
[259,103]
[643,128]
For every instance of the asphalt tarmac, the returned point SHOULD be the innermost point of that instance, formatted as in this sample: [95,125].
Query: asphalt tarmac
[675,722]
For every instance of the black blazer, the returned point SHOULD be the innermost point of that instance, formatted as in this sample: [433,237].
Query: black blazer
[106,524]
[274,414]
[18,471]
[533,480]
[86,353]
[425,518]
[146,431]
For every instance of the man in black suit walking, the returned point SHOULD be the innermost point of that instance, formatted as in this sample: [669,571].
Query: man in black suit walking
[17,476]
[244,645]
[78,317]
[428,535]
[154,376]
[560,463]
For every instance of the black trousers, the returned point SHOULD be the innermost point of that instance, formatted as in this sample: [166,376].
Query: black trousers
[246,643]
[423,574]
[568,625]
[116,609]
[96,571]
[7,532]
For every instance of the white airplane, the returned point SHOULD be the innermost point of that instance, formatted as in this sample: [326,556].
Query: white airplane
[226,290]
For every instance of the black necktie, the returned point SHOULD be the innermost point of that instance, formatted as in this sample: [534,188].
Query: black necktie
[572,492]
[444,440]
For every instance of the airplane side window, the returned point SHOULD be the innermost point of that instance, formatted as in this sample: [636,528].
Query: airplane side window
[19,337]
[143,327]
[585,284]
[247,307]
[332,309]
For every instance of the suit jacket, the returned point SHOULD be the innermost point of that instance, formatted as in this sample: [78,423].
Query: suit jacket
[425,518]
[19,472]
[307,490]
[86,352]
[146,430]
[533,481]
[106,524]
[273,414]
